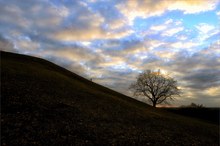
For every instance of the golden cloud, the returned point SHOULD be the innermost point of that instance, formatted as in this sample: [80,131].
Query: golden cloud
[193,6]
[213,91]
[89,33]
[146,8]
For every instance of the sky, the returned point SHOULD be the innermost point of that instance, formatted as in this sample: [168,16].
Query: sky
[112,41]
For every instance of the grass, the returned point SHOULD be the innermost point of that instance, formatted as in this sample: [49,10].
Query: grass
[44,104]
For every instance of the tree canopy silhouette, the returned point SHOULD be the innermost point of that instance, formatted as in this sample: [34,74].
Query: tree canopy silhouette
[155,86]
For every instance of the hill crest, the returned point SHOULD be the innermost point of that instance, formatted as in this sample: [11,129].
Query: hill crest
[44,104]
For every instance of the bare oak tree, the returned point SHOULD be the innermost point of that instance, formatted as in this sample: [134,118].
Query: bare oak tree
[155,86]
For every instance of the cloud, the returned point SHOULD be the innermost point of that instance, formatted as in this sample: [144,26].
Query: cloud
[207,31]
[145,8]
[205,28]
[165,25]
[133,8]
[202,79]
[172,31]
[182,37]
[193,6]
[91,27]
[197,60]
[198,96]
[107,9]
[184,45]
[213,91]
[218,13]
[6,45]
[158,27]
[27,25]
[92,20]
[76,58]
[32,20]
[168,28]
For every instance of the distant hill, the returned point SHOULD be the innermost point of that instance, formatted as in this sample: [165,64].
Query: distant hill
[44,104]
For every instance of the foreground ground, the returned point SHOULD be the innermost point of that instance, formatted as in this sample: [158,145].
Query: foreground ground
[44,104]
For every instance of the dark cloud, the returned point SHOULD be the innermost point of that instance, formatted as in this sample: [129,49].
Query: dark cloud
[107,9]
[186,62]
[202,79]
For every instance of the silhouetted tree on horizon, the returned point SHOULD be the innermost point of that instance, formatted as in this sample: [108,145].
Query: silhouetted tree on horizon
[193,105]
[155,86]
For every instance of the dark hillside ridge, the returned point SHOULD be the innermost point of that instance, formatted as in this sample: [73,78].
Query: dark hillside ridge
[44,104]
[52,66]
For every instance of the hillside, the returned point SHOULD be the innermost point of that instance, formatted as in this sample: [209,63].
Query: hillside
[44,104]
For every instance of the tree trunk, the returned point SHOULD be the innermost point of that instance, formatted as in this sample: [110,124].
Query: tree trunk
[154,104]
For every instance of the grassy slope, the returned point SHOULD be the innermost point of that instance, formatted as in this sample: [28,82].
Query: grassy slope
[44,104]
